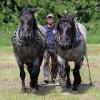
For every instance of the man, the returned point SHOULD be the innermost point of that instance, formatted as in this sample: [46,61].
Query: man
[50,50]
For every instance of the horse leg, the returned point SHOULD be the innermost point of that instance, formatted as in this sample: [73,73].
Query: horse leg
[35,73]
[29,68]
[54,67]
[67,68]
[62,71]
[22,76]
[77,77]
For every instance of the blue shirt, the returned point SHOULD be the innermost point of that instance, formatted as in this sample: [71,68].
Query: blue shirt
[50,37]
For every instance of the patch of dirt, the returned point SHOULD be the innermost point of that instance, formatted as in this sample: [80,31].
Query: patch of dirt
[11,83]
[7,83]
[95,83]
[8,65]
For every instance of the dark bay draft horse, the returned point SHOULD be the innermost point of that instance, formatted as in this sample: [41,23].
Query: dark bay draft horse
[71,46]
[29,46]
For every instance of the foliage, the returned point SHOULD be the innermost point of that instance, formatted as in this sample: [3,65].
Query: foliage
[86,11]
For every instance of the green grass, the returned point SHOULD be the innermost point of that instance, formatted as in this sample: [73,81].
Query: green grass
[6,32]
[53,95]
[93,32]
[10,83]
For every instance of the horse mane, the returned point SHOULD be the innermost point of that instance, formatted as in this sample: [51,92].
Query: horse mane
[35,23]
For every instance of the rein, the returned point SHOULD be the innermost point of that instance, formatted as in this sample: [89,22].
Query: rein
[41,33]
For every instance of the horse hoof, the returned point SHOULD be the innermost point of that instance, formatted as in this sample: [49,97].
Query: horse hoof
[79,82]
[75,88]
[33,90]
[24,91]
[68,86]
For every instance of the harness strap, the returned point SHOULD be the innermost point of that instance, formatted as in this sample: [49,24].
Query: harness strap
[33,41]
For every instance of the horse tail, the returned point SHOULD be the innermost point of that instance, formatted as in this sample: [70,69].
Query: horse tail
[83,32]
[85,53]
[87,60]
[86,56]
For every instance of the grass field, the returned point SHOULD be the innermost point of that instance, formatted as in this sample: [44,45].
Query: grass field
[10,83]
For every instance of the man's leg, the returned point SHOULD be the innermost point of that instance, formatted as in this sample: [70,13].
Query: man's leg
[54,67]
[46,66]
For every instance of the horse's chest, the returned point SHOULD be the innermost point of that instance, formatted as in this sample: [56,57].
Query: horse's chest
[68,55]
[26,53]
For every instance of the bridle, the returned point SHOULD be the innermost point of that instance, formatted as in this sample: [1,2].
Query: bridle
[58,39]
[71,39]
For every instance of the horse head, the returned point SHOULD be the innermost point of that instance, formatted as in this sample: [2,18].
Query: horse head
[65,30]
[27,23]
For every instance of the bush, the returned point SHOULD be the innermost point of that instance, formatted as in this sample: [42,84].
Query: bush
[87,12]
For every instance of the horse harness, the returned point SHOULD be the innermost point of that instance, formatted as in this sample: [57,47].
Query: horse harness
[76,40]
[34,39]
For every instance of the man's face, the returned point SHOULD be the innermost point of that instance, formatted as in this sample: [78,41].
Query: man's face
[50,20]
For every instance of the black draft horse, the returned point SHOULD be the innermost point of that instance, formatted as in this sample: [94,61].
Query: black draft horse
[29,46]
[71,46]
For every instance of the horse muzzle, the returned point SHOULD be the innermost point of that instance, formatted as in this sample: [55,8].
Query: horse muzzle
[64,45]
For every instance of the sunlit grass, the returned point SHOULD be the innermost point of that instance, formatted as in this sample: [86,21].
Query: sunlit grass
[10,83]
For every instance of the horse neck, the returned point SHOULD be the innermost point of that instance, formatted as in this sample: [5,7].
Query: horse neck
[73,33]
[34,29]
[35,24]
[74,30]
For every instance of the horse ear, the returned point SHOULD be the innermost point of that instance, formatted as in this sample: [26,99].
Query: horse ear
[34,10]
[19,8]
[59,16]
[72,17]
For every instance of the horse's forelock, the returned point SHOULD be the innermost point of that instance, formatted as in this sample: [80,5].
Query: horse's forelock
[70,20]
[27,16]
[27,11]
[67,17]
